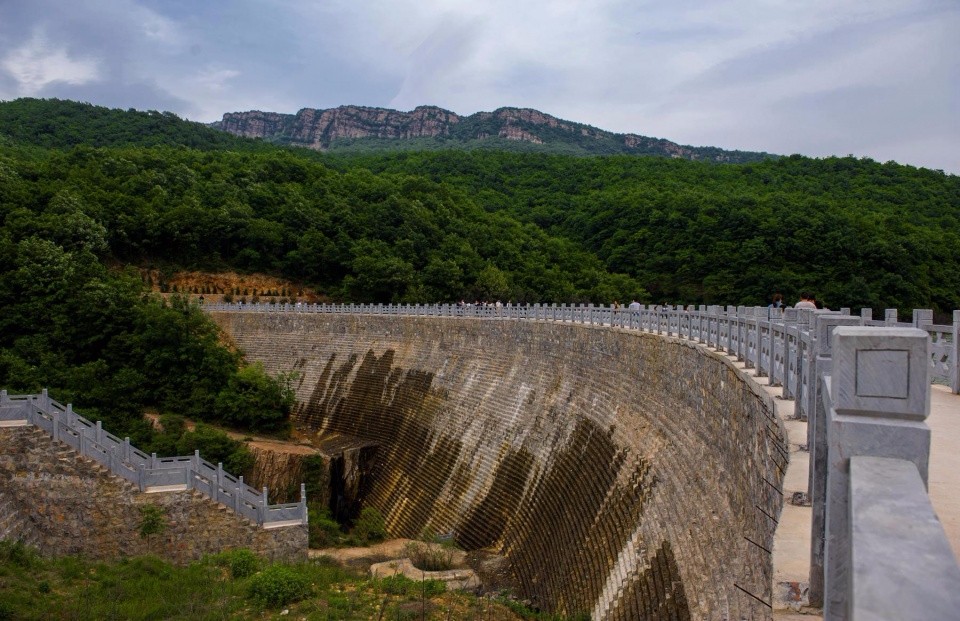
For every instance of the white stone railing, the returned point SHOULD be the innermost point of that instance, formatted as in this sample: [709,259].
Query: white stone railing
[775,342]
[149,471]
[878,550]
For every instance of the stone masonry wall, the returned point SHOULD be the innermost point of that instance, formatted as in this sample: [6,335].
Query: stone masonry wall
[624,475]
[66,504]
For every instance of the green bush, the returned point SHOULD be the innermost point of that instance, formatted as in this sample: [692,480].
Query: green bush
[216,446]
[152,521]
[254,400]
[278,585]
[323,530]
[17,553]
[242,562]
[430,553]
[7,610]
[401,585]
[369,527]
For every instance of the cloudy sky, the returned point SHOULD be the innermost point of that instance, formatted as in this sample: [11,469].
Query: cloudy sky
[872,78]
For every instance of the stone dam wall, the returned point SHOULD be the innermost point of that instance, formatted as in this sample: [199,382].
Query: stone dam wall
[65,504]
[620,474]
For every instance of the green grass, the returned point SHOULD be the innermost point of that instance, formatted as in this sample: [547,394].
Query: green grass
[230,585]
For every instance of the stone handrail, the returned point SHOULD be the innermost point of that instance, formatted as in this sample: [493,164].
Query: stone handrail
[149,472]
[775,342]
[877,548]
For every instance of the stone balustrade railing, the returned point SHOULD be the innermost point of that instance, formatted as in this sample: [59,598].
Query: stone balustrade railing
[150,472]
[877,548]
[775,342]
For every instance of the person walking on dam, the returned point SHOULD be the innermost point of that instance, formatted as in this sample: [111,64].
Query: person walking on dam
[806,301]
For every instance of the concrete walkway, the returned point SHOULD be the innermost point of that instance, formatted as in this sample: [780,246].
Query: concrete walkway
[791,549]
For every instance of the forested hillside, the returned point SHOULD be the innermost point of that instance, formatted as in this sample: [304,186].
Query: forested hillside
[59,123]
[856,232]
[406,227]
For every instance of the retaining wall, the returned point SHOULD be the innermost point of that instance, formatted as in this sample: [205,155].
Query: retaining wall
[621,474]
[69,505]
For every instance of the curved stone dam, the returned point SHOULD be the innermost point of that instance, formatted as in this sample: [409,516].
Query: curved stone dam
[619,474]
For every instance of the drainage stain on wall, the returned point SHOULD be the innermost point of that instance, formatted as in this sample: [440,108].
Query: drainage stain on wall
[621,475]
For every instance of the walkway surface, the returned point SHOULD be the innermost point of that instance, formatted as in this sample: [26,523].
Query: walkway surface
[791,550]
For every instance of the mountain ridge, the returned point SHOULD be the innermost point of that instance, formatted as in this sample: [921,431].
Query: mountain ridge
[431,127]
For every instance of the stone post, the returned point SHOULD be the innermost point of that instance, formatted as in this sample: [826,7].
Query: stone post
[879,393]
[817,446]
[264,501]
[760,316]
[866,314]
[789,325]
[922,317]
[303,503]
[955,354]
[890,317]
[801,357]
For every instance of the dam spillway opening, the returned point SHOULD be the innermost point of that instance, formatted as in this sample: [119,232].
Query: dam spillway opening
[618,474]
[350,462]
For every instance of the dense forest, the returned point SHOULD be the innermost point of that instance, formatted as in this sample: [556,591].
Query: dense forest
[89,194]
[855,232]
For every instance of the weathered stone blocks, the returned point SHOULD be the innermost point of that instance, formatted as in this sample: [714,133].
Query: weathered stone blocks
[66,504]
[621,474]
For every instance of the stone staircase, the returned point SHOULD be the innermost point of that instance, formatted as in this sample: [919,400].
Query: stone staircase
[55,499]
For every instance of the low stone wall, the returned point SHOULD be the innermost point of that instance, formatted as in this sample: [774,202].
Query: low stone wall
[621,474]
[66,504]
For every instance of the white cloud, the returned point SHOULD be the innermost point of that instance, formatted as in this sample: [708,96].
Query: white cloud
[37,63]
[814,77]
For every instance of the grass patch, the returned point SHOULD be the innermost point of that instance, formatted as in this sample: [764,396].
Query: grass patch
[231,585]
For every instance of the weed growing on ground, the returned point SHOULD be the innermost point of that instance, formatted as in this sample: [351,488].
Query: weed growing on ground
[231,585]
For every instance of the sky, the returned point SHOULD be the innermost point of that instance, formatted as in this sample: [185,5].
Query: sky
[869,78]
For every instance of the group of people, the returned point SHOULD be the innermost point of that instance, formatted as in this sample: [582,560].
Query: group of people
[807,300]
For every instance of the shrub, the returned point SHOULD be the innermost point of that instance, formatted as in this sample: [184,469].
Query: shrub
[278,585]
[152,521]
[242,562]
[254,400]
[370,526]
[429,557]
[17,553]
[323,529]
[401,585]
[429,554]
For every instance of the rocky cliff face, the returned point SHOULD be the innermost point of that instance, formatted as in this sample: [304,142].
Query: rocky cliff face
[336,127]
[318,129]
